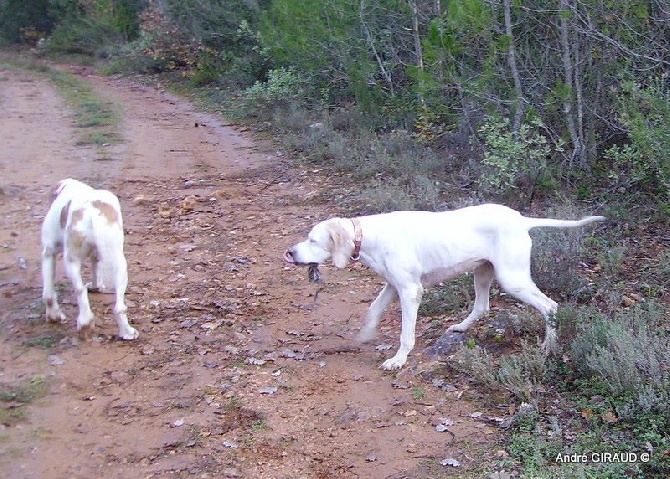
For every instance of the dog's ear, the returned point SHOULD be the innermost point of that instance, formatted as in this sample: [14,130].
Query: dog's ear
[343,245]
[58,188]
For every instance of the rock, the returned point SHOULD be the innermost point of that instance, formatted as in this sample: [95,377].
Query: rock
[445,344]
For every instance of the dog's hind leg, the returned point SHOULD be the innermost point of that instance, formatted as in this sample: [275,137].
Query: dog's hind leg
[126,331]
[483,278]
[49,296]
[85,320]
[385,297]
[529,293]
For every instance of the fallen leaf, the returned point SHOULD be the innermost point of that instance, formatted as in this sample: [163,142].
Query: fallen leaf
[610,417]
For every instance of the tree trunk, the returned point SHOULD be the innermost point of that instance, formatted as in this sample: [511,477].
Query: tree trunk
[418,52]
[578,149]
[511,60]
[371,44]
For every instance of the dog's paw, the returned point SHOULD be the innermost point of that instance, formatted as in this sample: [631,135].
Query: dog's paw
[56,316]
[456,328]
[396,362]
[85,330]
[129,334]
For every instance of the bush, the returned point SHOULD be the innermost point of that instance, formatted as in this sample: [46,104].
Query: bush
[522,374]
[512,157]
[282,86]
[643,161]
[629,356]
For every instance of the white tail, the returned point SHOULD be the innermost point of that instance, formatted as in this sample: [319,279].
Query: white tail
[554,223]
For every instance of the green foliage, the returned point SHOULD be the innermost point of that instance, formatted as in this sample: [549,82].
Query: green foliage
[522,374]
[511,157]
[282,86]
[224,33]
[353,50]
[629,356]
[83,36]
[93,28]
[452,295]
[24,22]
[643,161]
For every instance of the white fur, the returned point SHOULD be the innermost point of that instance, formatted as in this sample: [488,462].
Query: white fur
[84,224]
[413,249]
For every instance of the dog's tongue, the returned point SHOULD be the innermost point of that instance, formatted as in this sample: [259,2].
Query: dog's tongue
[313,273]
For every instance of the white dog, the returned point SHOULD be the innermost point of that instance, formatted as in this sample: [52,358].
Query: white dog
[85,223]
[413,249]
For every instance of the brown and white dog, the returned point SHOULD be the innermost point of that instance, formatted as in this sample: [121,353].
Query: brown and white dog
[413,249]
[85,223]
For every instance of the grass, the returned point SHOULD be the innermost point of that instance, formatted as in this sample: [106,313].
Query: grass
[14,398]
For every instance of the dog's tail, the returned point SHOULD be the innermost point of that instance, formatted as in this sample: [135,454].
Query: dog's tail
[554,223]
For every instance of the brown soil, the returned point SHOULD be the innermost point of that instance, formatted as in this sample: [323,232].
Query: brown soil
[239,371]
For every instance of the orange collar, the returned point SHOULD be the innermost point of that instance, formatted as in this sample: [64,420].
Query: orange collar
[358,237]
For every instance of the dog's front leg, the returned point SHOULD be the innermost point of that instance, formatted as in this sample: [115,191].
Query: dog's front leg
[410,298]
[369,329]
[49,296]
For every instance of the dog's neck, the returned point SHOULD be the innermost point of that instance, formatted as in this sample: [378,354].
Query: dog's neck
[358,238]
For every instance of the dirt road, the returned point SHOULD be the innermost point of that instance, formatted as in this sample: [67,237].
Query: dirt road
[238,371]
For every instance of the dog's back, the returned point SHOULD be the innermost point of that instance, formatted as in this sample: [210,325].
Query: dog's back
[55,221]
[95,228]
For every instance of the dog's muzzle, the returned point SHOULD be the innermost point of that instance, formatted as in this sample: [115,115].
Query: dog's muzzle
[313,273]
[288,257]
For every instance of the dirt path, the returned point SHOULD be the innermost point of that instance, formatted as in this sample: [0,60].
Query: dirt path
[238,371]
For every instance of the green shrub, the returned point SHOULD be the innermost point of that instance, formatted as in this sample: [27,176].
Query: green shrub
[629,356]
[512,157]
[282,86]
[643,161]
[522,374]
[83,35]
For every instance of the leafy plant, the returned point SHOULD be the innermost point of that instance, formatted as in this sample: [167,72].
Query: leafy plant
[512,156]
[645,113]
[282,85]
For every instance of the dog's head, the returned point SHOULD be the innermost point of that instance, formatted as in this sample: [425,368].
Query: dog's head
[327,239]
[62,185]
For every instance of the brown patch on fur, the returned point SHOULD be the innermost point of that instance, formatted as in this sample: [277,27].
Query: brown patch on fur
[63,215]
[77,216]
[75,239]
[343,245]
[106,210]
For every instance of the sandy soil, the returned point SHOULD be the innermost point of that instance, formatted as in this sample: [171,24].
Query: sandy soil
[239,370]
